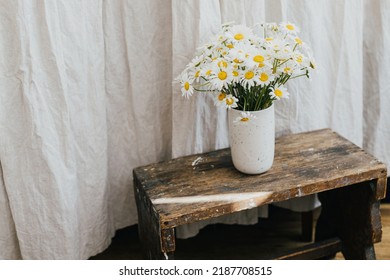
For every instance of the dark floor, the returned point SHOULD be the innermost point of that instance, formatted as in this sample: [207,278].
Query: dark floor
[278,233]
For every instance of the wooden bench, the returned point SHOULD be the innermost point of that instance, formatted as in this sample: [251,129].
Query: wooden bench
[349,183]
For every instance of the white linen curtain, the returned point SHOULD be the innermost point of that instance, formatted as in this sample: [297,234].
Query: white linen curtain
[86,95]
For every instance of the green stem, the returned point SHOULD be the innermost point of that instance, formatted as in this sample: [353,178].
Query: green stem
[284,62]
[201,90]
[298,76]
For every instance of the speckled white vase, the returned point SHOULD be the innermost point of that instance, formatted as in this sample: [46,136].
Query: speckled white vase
[252,142]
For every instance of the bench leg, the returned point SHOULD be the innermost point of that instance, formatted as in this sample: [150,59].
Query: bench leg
[157,243]
[352,214]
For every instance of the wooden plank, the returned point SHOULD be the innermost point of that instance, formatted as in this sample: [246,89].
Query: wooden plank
[314,251]
[200,187]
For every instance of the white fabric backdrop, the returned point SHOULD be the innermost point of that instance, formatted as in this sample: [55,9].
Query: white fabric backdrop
[86,95]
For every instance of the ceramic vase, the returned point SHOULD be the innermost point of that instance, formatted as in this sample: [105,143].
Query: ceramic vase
[252,139]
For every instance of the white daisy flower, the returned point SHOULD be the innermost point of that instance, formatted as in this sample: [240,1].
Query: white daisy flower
[276,44]
[298,41]
[194,69]
[207,70]
[230,45]
[279,92]
[298,57]
[248,79]
[273,26]
[219,99]
[287,67]
[222,63]
[236,75]
[240,53]
[265,76]
[258,58]
[221,77]
[289,27]
[239,33]
[196,61]
[266,29]
[222,49]
[218,52]
[269,39]
[245,118]
[284,53]
[301,60]
[186,85]
[207,53]
[195,74]
[230,101]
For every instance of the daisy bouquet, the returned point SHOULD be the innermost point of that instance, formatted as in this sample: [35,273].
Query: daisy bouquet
[247,68]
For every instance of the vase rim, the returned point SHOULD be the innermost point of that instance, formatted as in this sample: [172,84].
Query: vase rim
[262,110]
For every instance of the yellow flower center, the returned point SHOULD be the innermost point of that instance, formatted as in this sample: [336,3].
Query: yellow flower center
[287,69]
[249,75]
[208,72]
[187,85]
[239,36]
[278,92]
[298,41]
[263,77]
[290,27]
[258,58]
[222,64]
[230,46]
[244,119]
[229,101]
[261,64]
[235,73]
[299,59]
[222,75]
[236,60]
[269,39]
[197,74]
[221,96]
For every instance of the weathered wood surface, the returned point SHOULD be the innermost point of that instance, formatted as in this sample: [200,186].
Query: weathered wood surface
[199,187]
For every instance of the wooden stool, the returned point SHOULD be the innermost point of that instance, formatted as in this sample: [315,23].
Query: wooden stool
[349,183]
